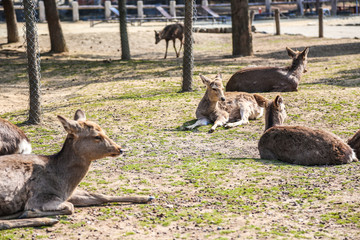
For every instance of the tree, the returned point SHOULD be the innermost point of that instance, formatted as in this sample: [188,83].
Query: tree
[11,23]
[57,40]
[125,49]
[241,29]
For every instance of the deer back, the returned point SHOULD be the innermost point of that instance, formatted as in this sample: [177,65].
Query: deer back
[12,139]
[304,146]
[171,32]
[271,79]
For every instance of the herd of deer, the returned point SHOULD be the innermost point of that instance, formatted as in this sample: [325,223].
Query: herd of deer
[33,187]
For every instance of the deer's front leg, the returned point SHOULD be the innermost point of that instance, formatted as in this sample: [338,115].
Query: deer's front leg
[199,122]
[167,45]
[83,198]
[219,122]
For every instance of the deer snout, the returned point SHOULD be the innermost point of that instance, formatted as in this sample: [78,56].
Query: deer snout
[222,99]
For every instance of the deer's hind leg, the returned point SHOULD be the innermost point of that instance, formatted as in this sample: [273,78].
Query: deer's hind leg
[177,53]
[49,209]
[82,198]
[245,114]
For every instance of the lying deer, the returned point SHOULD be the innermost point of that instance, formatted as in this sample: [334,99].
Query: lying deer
[298,144]
[271,79]
[13,139]
[35,186]
[227,109]
[171,32]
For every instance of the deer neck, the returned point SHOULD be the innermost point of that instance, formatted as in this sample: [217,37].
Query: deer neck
[210,103]
[296,69]
[69,166]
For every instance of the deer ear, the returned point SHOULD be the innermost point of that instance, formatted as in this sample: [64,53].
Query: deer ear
[205,80]
[261,101]
[290,52]
[80,115]
[305,52]
[278,100]
[219,76]
[70,126]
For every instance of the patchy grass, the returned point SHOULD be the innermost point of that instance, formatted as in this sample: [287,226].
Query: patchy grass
[207,186]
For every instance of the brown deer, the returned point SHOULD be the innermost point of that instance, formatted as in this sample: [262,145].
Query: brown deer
[34,186]
[227,109]
[271,79]
[354,142]
[298,144]
[13,139]
[171,32]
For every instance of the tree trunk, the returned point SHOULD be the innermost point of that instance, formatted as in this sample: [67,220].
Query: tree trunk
[241,29]
[57,40]
[188,59]
[11,23]
[125,49]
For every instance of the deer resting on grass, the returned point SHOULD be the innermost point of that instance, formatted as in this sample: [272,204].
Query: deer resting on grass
[298,144]
[271,79]
[13,139]
[354,142]
[171,32]
[227,109]
[35,186]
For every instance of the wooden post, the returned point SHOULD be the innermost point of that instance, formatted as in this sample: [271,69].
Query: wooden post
[300,6]
[107,9]
[268,6]
[321,23]
[204,3]
[277,21]
[42,17]
[75,11]
[173,8]
[333,7]
[140,9]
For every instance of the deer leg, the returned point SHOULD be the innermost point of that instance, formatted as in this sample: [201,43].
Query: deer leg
[167,44]
[219,122]
[181,44]
[83,198]
[49,209]
[244,119]
[199,122]
[177,53]
[34,222]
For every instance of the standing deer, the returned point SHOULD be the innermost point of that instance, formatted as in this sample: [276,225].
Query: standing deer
[227,109]
[298,144]
[34,186]
[271,79]
[171,32]
[13,139]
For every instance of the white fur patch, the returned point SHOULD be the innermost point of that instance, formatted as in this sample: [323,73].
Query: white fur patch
[24,147]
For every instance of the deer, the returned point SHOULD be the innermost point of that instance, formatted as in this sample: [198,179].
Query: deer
[271,79]
[228,109]
[298,144]
[12,139]
[171,32]
[37,186]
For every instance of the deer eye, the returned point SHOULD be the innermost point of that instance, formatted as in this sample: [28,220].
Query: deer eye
[98,137]
[214,89]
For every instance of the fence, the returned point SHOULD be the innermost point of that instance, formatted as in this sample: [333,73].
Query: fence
[168,12]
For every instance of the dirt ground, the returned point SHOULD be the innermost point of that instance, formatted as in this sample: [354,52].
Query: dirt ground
[161,162]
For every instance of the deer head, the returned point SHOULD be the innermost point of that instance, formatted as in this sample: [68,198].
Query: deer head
[88,140]
[299,58]
[157,37]
[215,88]
[275,113]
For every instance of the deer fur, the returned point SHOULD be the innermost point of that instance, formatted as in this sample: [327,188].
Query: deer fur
[354,142]
[271,79]
[171,32]
[13,139]
[227,109]
[298,144]
[34,186]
